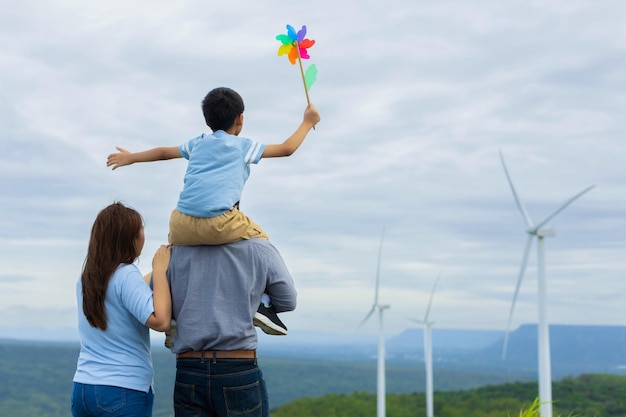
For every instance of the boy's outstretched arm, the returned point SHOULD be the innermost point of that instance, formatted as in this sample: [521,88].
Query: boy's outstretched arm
[123,157]
[293,142]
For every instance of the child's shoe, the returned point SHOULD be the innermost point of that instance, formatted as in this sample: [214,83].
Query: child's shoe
[266,319]
[170,335]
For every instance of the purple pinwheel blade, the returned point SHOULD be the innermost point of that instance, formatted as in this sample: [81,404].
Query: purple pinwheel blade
[301,33]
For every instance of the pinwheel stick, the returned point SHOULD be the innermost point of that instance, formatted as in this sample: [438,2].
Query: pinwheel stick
[306,91]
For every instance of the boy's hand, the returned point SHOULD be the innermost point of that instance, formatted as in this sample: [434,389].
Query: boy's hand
[311,115]
[123,157]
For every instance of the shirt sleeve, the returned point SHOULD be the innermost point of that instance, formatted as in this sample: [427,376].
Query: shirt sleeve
[185,148]
[280,285]
[136,295]
[252,151]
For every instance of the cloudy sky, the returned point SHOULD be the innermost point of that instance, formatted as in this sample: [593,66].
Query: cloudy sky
[417,98]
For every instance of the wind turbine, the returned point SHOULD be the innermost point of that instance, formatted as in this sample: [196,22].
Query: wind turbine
[380,382]
[543,334]
[428,352]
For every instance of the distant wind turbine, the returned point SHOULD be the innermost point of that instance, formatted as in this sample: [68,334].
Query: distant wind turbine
[380,382]
[428,352]
[543,334]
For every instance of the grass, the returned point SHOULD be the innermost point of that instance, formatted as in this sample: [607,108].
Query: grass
[534,410]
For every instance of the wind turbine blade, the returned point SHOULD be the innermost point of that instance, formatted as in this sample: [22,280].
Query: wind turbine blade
[520,206]
[560,209]
[529,242]
[367,316]
[416,320]
[430,300]
[380,253]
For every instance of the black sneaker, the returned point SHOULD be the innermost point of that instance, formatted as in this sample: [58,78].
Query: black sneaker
[266,319]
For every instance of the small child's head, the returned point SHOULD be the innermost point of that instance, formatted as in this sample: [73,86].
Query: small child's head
[221,107]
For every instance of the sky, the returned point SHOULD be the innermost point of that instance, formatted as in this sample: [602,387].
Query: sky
[417,100]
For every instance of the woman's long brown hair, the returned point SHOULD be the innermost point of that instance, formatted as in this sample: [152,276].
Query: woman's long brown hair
[112,243]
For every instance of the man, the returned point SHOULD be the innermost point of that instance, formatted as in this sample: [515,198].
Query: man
[216,291]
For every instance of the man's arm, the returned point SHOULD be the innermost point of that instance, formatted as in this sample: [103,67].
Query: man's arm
[280,286]
[123,157]
[293,142]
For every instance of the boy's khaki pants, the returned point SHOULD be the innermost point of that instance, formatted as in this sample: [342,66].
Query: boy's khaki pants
[229,227]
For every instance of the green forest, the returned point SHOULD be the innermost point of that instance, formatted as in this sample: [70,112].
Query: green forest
[37,379]
[584,396]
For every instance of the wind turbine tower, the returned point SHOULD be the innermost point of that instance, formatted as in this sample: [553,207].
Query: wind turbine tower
[380,380]
[543,334]
[428,352]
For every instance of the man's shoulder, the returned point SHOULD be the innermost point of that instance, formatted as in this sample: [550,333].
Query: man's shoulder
[245,254]
[245,245]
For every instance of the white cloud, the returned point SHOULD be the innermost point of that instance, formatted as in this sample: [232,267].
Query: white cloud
[416,100]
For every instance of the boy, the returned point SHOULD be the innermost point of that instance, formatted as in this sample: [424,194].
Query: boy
[207,212]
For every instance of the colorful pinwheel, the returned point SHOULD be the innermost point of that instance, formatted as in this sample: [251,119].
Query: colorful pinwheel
[296,46]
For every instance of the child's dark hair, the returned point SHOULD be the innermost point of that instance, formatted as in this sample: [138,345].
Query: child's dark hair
[221,107]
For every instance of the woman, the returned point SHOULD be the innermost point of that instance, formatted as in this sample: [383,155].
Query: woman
[116,308]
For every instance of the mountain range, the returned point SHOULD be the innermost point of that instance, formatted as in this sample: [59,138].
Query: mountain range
[575,349]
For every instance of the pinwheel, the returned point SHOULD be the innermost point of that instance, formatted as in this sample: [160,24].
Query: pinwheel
[296,46]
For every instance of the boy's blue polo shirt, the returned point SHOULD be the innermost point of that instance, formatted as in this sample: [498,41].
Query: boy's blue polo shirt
[218,167]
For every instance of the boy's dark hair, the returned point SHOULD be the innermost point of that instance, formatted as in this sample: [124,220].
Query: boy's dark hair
[220,107]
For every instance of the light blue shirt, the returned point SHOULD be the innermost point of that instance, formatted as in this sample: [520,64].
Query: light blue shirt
[119,356]
[219,165]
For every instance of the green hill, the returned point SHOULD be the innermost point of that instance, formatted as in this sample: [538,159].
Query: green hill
[587,395]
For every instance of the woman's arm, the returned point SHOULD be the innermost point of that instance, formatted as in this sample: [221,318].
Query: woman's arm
[161,317]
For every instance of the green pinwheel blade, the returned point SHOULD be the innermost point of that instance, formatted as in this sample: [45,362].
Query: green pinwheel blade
[310,75]
[284,39]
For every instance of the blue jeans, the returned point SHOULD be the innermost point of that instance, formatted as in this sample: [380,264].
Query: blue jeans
[219,388]
[105,400]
